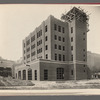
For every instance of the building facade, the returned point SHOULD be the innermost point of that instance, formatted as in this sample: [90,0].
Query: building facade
[56,50]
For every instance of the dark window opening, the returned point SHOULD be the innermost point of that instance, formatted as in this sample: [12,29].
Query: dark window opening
[63,57]
[30,74]
[24,74]
[63,48]
[35,74]
[63,30]
[71,57]
[63,39]
[55,27]
[46,47]
[71,39]
[28,42]
[59,47]
[71,29]
[46,29]
[55,46]
[28,56]
[59,57]
[71,47]
[59,38]
[59,28]
[45,74]
[55,56]
[60,73]
[46,56]
[46,38]
[55,37]
[19,74]
[72,72]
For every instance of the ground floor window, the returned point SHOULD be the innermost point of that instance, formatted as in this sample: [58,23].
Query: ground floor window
[29,74]
[45,74]
[35,74]
[60,73]
[24,74]
[19,74]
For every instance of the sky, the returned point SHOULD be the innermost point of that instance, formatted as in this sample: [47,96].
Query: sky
[18,20]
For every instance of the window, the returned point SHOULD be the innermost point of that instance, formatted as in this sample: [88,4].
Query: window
[37,35]
[84,55]
[83,49]
[63,39]
[19,74]
[84,70]
[83,59]
[33,46]
[59,57]
[59,28]
[46,47]
[46,29]
[60,73]
[24,44]
[46,38]
[59,38]
[63,48]
[71,57]
[55,56]
[55,37]
[63,57]
[84,66]
[28,42]
[24,74]
[33,53]
[46,56]
[40,32]
[37,43]
[71,39]
[84,33]
[71,29]
[59,47]
[40,41]
[55,46]
[24,57]
[72,72]
[35,74]
[41,50]
[83,38]
[63,29]
[28,56]
[28,49]
[24,51]
[71,47]
[45,74]
[32,38]
[55,27]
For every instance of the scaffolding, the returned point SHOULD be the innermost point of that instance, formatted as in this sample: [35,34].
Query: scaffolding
[78,14]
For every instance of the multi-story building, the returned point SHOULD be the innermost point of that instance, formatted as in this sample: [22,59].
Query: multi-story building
[56,50]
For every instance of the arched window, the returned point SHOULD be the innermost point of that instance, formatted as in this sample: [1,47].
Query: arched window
[19,74]
[60,73]
[24,74]
[29,74]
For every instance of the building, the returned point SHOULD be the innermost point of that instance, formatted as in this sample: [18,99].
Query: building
[6,67]
[56,50]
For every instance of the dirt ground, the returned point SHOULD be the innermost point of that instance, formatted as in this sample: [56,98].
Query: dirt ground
[9,83]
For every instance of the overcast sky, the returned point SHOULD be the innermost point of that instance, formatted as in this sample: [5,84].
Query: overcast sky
[17,21]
